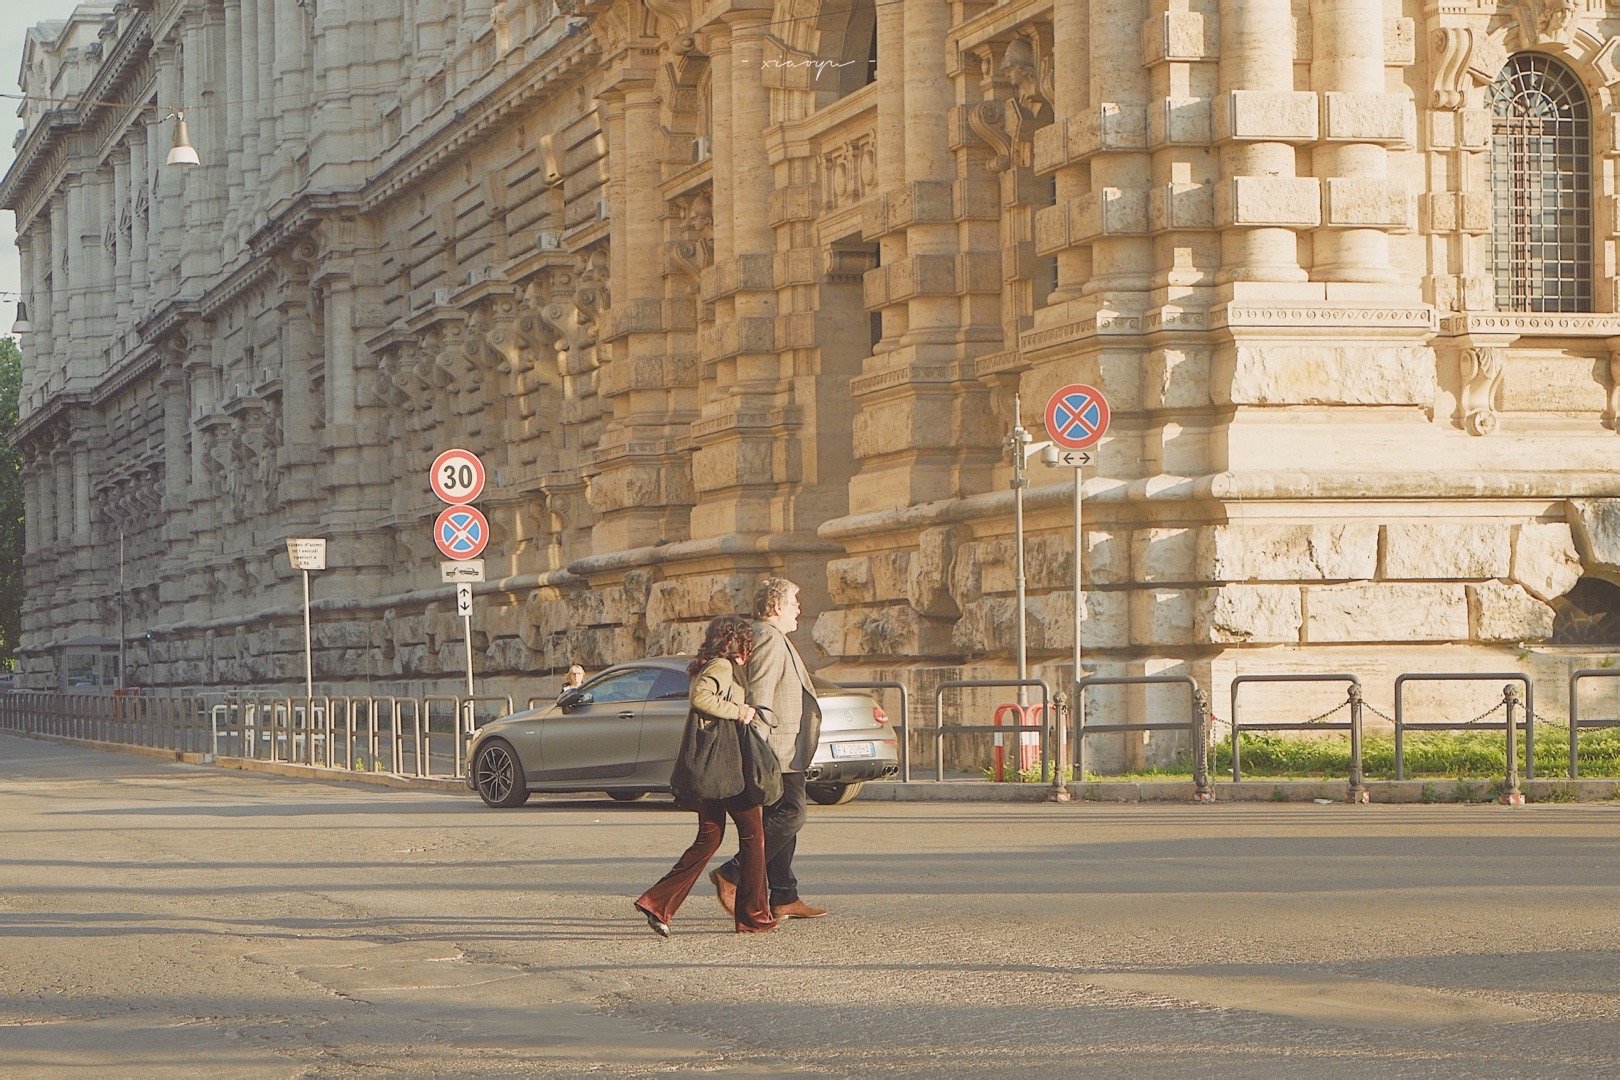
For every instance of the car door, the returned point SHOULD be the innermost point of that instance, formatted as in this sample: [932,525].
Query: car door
[597,736]
[663,720]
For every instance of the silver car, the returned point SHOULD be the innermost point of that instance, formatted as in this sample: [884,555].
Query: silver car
[619,733]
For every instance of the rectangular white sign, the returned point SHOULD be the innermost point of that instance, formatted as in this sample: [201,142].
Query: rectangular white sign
[465,570]
[1074,459]
[307,554]
[464,598]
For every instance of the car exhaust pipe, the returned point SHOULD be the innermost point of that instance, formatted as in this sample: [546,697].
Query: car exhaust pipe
[890,770]
[813,773]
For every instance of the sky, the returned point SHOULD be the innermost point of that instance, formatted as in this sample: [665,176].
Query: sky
[13,28]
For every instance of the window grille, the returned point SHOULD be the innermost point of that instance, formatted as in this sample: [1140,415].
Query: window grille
[1541,187]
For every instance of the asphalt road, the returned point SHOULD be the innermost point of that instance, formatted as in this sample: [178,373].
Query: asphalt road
[161,920]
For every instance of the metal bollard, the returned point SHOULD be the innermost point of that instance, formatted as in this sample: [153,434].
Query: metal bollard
[1060,790]
[1358,784]
[1203,790]
[1510,700]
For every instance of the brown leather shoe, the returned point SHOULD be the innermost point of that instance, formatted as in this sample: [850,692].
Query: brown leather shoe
[798,909]
[724,891]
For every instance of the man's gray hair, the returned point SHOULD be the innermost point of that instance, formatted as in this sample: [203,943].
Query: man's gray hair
[771,594]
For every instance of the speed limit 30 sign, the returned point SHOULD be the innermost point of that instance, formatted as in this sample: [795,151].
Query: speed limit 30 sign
[457,477]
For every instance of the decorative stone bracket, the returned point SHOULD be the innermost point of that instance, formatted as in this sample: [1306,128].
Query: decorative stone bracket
[1481,370]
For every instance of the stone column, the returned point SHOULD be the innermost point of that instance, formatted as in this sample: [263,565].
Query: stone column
[247,136]
[292,83]
[177,469]
[1071,93]
[81,495]
[1257,119]
[170,193]
[62,472]
[234,50]
[121,206]
[58,255]
[139,208]
[891,157]
[1114,215]
[1360,202]
[268,108]
[932,240]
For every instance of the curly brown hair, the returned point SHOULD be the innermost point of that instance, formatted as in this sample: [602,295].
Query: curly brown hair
[727,635]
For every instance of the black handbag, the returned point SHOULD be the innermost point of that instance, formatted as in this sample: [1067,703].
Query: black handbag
[709,764]
[762,769]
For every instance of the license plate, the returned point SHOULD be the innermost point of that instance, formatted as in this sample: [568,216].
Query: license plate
[854,749]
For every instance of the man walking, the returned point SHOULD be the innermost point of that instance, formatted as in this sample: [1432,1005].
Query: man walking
[779,681]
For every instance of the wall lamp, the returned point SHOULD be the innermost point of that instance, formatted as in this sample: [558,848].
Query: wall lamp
[22,325]
[182,152]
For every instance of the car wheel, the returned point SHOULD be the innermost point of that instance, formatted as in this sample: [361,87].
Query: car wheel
[832,794]
[626,796]
[498,775]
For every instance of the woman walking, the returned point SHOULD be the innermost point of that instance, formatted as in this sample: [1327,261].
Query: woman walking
[716,696]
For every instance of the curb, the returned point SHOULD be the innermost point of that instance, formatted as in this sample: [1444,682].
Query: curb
[1440,790]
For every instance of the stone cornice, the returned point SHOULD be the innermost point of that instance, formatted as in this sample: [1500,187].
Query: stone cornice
[238,281]
[41,418]
[1539,485]
[464,127]
[1530,324]
[41,153]
[665,555]
[303,213]
[137,364]
[166,318]
[994,22]
[128,52]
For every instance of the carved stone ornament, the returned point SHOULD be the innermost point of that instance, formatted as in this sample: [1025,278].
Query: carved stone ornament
[1543,21]
[1464,57]
[1481,370]
[1611,415]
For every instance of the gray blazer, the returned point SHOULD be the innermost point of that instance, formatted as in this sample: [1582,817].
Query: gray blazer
[779,681]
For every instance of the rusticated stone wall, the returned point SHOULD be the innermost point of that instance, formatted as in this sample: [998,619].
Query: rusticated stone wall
[715,294]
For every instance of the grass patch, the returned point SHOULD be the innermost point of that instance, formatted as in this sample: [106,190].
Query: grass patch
[1480,755]
[1428,754]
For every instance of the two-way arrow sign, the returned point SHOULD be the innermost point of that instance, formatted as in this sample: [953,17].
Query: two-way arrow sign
[1074,459]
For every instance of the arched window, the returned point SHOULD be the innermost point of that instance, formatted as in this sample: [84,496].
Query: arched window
[1541,187]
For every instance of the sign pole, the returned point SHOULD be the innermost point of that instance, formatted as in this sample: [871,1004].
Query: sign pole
[1077,417]
[309,651]
[306,554]
[464,601]
[1019,439]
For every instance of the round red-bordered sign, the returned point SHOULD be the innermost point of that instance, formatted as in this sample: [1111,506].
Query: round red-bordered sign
[1077,416]
[457,477]
[461,532]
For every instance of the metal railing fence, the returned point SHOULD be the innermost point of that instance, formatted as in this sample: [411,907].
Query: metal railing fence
[1577,721]
[1358,787]
[940,730]
[1510,702]
[1196,725]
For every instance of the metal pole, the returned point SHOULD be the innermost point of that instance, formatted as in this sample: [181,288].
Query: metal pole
[309,651]
[120,607]
[466,622]
[1018,441]
[1060,793]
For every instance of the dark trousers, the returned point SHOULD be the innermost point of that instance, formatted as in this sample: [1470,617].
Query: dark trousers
[753,909]
[783,820]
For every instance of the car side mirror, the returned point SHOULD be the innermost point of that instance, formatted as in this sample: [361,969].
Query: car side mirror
[571,698]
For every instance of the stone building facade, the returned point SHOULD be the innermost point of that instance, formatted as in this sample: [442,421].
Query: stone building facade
[719,288]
